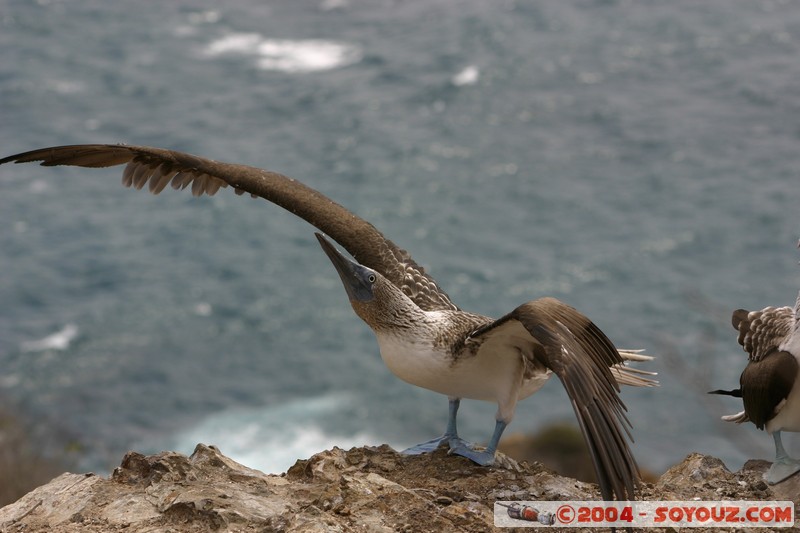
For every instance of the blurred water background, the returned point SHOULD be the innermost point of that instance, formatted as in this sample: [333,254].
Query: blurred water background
[636,159]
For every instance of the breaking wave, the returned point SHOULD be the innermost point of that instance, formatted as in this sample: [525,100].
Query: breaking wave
[60,340]
[273,438]
[287,55]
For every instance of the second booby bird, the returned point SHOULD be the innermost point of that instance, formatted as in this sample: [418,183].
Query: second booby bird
[423,337]
[770,383]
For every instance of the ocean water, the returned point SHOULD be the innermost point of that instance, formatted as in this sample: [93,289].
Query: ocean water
[638,160]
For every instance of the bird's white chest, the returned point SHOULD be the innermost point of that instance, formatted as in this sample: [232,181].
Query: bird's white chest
[476,377]
[416,362]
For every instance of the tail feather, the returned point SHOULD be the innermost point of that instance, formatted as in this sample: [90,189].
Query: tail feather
[738,418]
[634,377]
[634,355]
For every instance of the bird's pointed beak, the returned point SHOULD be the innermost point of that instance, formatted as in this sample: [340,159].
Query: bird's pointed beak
[357,279]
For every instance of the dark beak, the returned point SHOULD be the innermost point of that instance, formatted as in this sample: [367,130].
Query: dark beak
[357,279]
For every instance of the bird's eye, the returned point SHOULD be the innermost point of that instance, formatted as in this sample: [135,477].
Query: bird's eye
[371,278]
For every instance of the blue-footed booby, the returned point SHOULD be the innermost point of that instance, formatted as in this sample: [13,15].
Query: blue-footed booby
[424,338]
[768,385]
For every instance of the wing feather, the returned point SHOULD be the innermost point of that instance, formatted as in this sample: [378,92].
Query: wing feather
[762,332]
[582,357]
[153,165]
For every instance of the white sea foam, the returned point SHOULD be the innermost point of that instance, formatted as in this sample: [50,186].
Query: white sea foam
[236,43]
[287,55]
[272,438]
[468,76]
[60,340]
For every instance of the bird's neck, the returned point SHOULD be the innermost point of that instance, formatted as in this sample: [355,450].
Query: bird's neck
[393,314]
[390,309]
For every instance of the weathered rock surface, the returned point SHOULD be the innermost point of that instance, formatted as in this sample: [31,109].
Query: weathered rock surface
[364,489]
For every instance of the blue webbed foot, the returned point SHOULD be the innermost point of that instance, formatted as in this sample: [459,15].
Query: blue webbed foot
[454,441]
[458,442]
[483,458]
[427,446]
[783,466]
[458,445]
[781,469]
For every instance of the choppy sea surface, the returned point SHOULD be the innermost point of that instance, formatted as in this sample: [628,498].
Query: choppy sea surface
[638,160]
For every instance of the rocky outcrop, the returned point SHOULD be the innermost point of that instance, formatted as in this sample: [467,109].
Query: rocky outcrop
[363,489]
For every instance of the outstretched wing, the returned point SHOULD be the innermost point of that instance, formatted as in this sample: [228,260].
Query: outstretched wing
[158,167]
[762,332]
[579,353]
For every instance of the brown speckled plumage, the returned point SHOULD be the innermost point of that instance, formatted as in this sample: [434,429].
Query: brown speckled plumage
[761,332]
